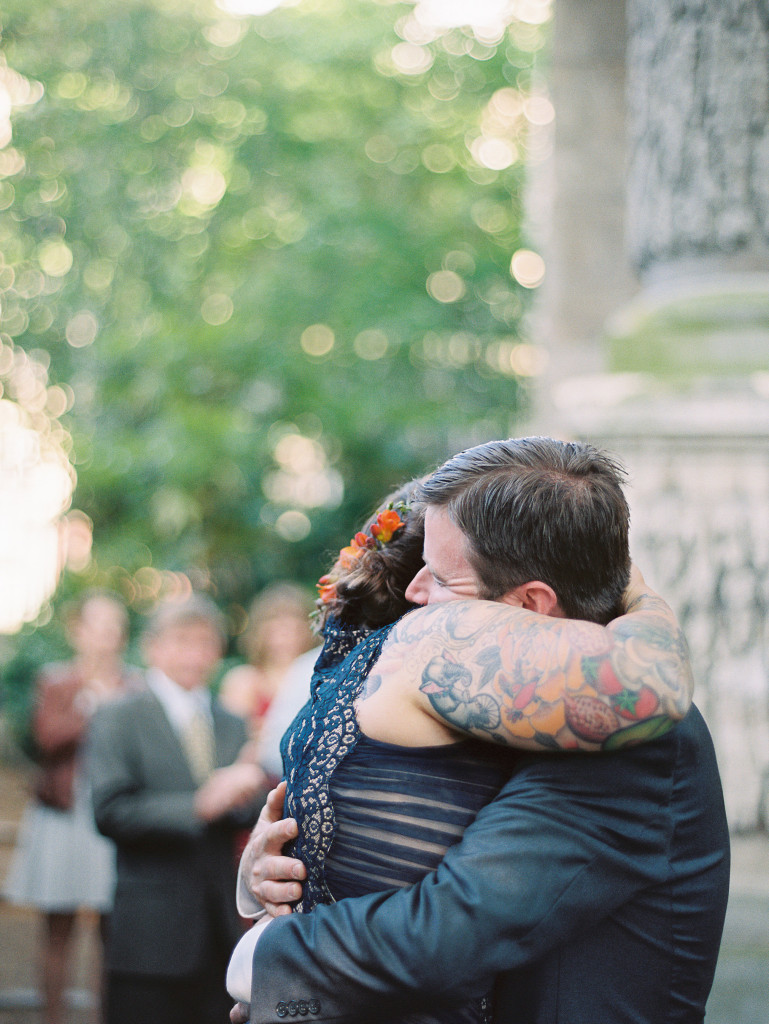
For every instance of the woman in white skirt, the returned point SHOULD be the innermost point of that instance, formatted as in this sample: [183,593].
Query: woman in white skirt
[61,864]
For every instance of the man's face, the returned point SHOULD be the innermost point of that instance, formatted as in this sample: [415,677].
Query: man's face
[447,574]
[187,653]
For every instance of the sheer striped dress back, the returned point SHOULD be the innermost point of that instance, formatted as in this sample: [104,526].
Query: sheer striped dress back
[398,809]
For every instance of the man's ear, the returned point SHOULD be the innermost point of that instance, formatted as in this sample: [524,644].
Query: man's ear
[534,596]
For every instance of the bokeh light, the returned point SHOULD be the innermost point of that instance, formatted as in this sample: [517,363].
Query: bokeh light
[217,309]
[15,91]
[251,7]
[55,258]
[82,329]
[36,485]
[495,153]
[293,525]
[317,340]
[410,59]
[528,268]
[304,479]
[371,344]
[445,286]
[489,17]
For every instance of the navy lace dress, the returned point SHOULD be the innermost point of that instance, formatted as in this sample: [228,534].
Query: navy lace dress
[374,815]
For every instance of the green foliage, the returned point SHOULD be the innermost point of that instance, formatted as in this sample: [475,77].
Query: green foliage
[196,192]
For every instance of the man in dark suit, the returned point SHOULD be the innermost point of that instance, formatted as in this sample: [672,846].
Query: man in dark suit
[169,790]
[592,890]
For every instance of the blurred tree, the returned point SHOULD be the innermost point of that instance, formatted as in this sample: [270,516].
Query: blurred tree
[268,262]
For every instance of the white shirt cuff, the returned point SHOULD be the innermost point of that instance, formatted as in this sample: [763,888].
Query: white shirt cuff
[240,968]
[248,905]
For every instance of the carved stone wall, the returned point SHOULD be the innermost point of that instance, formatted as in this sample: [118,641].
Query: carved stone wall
[700,532]
[698,127]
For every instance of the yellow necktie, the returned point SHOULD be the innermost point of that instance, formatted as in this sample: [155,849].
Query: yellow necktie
[198,742]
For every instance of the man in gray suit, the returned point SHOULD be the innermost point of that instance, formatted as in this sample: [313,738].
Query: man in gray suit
[169,790]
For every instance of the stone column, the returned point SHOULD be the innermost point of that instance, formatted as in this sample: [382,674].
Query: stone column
[577,198]
[676,378]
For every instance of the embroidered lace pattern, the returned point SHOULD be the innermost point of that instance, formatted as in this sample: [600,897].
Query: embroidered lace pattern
[322,734]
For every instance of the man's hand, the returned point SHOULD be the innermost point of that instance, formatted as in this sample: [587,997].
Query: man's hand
[636,588]
[272,878]
[228,789]
[240,1014]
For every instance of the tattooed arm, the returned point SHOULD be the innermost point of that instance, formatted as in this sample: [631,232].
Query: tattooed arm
[515,677]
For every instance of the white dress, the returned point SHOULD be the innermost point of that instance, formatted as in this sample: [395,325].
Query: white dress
[61,863]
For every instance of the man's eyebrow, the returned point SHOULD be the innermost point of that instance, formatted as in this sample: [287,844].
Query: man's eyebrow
[435,575]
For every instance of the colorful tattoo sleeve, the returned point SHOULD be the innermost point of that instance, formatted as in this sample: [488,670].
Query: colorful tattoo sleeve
[526,680]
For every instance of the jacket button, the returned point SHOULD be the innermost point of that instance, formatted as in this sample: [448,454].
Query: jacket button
[282,1010]
[303,1007]
[314,1006]
[293,1008]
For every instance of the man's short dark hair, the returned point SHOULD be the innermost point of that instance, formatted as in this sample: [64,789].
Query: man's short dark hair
[535,508]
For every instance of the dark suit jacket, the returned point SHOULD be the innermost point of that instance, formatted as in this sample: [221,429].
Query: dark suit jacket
[593,889]
[175,875]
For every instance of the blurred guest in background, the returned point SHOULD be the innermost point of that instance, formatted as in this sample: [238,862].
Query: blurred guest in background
[62,864]
[171,788]
[293,695]
[277,633]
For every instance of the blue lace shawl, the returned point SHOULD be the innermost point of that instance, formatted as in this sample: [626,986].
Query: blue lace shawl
[323,733]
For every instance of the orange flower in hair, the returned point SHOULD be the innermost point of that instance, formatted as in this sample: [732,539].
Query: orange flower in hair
[386,524]
[326,589]
[362,540]
[381,532]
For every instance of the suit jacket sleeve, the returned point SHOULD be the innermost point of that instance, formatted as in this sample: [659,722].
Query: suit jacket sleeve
[567,841]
